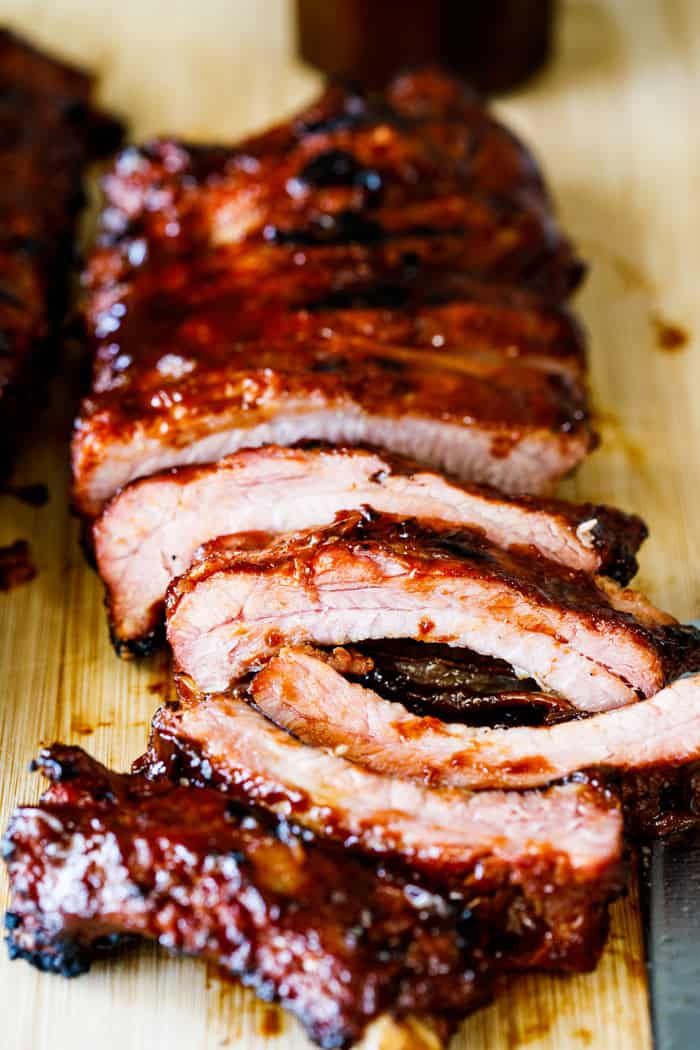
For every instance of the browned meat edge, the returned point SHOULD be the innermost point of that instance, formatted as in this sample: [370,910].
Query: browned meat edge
[235,607]
[569,835]
[149,533]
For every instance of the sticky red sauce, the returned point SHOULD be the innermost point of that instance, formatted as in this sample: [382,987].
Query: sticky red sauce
[16,566]
[670,337]
[270,1022]
[81,728]
[158,688]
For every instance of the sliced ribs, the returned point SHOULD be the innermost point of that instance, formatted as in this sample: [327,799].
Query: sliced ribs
[498,423]
[304,694]
[568,835]
[107,857]
[49,133]
[148,533]
[238,297]
[373,576]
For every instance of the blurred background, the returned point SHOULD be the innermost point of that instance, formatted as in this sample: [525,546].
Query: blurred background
[167,64]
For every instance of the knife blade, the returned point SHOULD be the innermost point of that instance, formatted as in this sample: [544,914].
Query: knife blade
[673,941]
[671,903]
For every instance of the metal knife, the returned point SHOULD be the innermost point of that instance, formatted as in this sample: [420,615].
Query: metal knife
[671,901]
[673,942]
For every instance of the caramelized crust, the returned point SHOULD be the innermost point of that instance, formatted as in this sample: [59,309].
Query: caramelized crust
[169,312]
[106,857]
[349,168]
[364,272]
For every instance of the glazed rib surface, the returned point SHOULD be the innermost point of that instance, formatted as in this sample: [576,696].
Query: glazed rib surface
[107,857]
[374,270]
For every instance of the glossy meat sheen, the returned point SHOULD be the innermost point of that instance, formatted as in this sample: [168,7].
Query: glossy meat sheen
[568,836]
[104,857]
[496,423]
[373,576]
[349,167]
[302,693]
[480,322]
[206,255]
[149,532]
[48,135]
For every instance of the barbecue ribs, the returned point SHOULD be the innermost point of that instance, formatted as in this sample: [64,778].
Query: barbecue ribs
[383,270]
[373,576]
[104,858]
[413,711]
[262,897]
[49,133]
[149,533]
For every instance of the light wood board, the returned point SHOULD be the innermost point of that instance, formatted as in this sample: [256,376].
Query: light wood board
[615,122]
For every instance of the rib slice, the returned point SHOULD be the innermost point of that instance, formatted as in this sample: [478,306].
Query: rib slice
[148,534]
[179,381]
[303,693]
[105,857]
[50,134]
[373,576]
[568,836]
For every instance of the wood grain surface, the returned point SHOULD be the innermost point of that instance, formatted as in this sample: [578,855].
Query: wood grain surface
[615,122]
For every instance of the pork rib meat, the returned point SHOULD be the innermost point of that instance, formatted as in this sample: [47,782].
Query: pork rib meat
[148,534]
[304,694]
[373,576]
[107,857]
[250,305]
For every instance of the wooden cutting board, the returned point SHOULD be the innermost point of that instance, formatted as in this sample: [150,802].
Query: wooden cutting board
[616,125]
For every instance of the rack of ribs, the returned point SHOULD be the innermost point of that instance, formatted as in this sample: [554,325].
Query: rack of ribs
[49,133]
[418,708]
[375,270]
